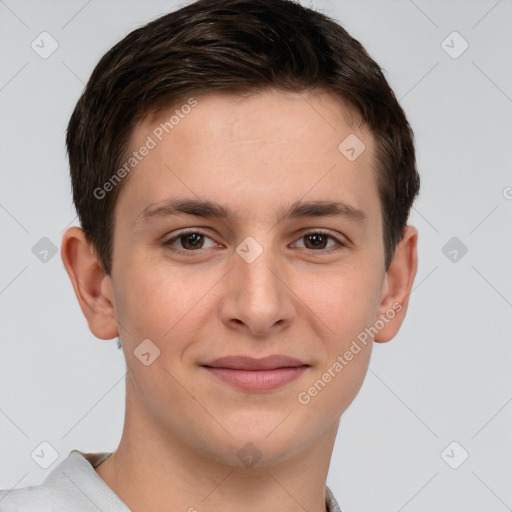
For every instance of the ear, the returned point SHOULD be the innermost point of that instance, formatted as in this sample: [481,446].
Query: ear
[93,288]
[397,286]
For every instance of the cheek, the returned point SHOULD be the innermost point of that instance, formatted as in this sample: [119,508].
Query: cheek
[157,303]
[162,303]
[346,301]
[345,306]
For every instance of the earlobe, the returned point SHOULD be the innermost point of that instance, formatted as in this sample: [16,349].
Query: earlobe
[92,286]
[398,285]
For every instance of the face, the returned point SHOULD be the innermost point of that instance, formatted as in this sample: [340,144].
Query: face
[245,231]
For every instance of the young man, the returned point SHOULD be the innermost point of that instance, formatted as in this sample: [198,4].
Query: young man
[243,176]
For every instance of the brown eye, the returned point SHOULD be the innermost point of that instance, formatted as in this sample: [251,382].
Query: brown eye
[316,241]
[191,241]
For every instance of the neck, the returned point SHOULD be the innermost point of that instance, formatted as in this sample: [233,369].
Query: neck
[154,470]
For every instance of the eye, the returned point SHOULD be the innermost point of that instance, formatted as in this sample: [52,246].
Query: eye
[193,241]
[190,241]
[316,240]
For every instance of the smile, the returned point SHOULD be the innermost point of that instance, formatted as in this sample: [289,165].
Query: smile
[258,380]
[252,374]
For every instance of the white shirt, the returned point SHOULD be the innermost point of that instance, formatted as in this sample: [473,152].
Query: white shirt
[74,486]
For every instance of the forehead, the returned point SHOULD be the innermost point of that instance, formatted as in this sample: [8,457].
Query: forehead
[260,147]
[265,114]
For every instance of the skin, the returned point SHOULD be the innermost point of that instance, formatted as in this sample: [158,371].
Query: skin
[183,427]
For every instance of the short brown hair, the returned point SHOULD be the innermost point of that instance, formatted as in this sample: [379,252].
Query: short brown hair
[233,46]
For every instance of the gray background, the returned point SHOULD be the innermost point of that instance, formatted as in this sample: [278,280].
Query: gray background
[445,377]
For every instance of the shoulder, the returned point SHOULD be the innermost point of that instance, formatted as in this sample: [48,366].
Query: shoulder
[330,501]
[36,497]
[72,485]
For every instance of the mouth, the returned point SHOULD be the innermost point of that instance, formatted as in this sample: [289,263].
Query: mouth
[257,375]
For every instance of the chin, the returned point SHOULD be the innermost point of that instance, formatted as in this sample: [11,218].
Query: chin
[265,443]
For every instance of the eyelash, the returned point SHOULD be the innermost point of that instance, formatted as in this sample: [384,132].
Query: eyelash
[190,252]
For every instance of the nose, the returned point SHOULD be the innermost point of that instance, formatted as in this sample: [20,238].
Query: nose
[257,301]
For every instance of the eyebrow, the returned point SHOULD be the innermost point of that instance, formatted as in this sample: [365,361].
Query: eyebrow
[213,210]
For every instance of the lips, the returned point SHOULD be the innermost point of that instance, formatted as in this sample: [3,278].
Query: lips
[249,363]
[256,375]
